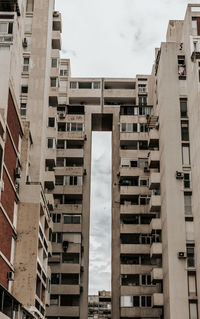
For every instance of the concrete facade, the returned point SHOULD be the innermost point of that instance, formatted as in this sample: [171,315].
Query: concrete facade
[45,164]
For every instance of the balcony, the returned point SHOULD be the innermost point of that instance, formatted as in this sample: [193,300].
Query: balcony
[10,6]
[62,311]
[154,181]
[136,229]
[156,249]
[131,290]
[155,203]
[65,289]
[71,135]
[49,180]
[69,208]
[50,201]
[56,40]
[135,269]
[66,268]
[50,157]
[133,136]
[155,224]
[153,138]
[157,274]
[134,190]
[157,300]
[53,97]
[136,312]
[135,248]
[154,159]
[69,189]
[134,209]
[72,152]
[67,228]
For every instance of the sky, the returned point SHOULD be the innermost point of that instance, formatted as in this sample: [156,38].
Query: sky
[111,38]
[100,213]
[115,38]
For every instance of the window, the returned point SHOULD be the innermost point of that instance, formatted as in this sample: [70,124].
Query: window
[55,279]
[145,301]
[190,256]
[24,89]
[144,181]
[142,100]
[181,67]
[60,161]
[56,218]
[183,107]
[59,179]
[142,162]
[29,5]
[186,154]
[63,72]
[186,180]
[54,300]
[56,237]
[23,109]
[129,127]
[53,82]
[70,258]
[143,127]
[15,214]
[143,145]
[12,253]
[184,130]
[189,227]
[73,127]
[188,203]
[72,219]
[54,62]
[142,88]
[192,284]
[193,310]
[6,28]
[51,142]
[144,200]
[96,85]
[126,301]
[51,122]
[73,180]
[146,280]
[26,64]
[60,144]
[73,85]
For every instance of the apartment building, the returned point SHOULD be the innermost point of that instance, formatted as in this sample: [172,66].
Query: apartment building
[29,38]
[99,306]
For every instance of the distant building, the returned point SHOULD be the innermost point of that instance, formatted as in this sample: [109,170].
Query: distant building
[99,306]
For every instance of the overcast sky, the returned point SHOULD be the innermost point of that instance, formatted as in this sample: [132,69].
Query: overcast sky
[111,38]
[115,38]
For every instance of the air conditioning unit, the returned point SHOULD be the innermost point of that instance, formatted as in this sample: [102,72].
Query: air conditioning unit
[10,275]
[17,172]
[179,175]
[61,115]
[56,14]
[25,43]
[181,255]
